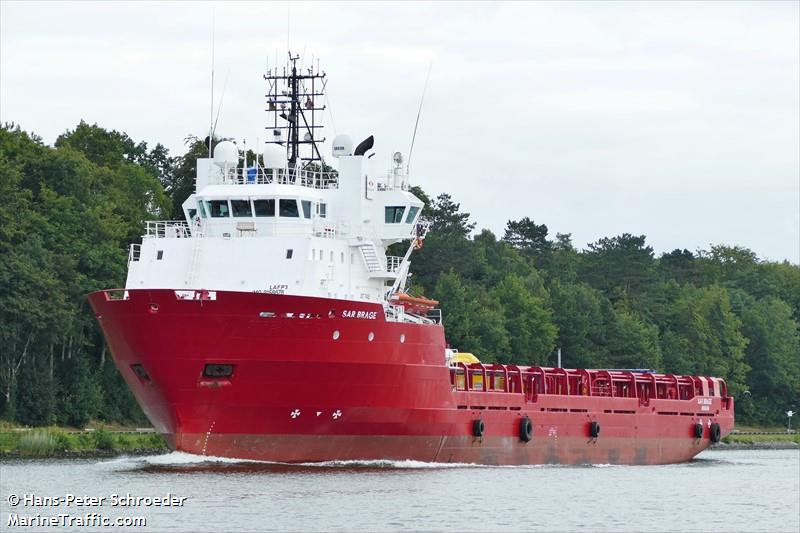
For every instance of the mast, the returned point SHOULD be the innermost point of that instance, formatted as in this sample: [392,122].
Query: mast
[292,98]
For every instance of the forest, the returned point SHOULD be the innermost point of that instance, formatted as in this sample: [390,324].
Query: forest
[68,213]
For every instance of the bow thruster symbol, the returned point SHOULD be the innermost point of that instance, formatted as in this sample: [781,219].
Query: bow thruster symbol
[337,414]
[295,413]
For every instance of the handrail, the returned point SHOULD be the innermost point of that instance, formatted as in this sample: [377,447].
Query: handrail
[134,252]
[601,383]
[287,176]
[167,229]
[393,263]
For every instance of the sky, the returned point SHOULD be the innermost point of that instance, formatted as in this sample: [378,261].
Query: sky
[677,120]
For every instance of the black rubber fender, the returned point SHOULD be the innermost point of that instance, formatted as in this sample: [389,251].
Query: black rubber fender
[525,429]
[478,427]
[698,431]
[594,429]
[716,433]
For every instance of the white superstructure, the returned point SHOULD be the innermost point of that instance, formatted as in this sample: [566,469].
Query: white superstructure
[273,226]
[290,232]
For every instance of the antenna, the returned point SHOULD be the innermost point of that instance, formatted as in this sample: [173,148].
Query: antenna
[294,96]
[211,122]
[419,112]
[219,107]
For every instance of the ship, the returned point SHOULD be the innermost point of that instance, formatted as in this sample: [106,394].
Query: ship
[270,324]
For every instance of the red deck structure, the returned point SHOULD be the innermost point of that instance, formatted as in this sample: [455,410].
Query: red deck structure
[297,379]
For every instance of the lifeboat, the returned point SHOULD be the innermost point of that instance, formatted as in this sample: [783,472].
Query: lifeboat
[413,304]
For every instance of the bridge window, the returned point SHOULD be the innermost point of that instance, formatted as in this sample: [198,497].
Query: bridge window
[322,210]
[288,208]
[218,208]
[394,214]
[306,208]
[412,214]
[264,208]
[201,206]
[241,208]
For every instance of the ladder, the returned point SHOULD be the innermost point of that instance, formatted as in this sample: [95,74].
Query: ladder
[197,238]
[370,256]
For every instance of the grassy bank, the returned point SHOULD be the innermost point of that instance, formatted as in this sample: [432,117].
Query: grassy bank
[54,442]
[767,439]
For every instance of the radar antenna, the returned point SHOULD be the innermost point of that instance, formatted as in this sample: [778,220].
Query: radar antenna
[292,98]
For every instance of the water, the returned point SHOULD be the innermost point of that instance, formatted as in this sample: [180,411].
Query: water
[720,491]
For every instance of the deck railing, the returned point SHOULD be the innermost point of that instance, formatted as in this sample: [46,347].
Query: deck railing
[393,263]
[288,176]
[535,381]
[167,229]
[134,251]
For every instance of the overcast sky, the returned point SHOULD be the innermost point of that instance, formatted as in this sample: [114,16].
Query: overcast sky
[677,120]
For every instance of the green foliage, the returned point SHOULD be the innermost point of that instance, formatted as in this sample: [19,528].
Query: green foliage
[67,215]
[179,183]
[39,443]
[701,335]
[103,439]
[720,312]
[528,237]
[773,354]
[45,442]
[528,321]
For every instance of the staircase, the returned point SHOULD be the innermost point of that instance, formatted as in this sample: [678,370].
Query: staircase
[370,256]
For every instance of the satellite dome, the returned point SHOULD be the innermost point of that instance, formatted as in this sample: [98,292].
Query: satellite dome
[274,156]
[342,145]
[226,154]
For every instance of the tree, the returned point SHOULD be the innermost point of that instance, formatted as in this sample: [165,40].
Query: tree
[67,215]
[580,313]
[179,184]
[679,265]
[446,219]
[528,321]
[632,342]
[528,237]
[772,355]
[702,336]
[624,263]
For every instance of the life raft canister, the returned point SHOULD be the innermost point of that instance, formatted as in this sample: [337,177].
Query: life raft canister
[525,429]
[715,433]
[594,429]
[478,427]
[698,431]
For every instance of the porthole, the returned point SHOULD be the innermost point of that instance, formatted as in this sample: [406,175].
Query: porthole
[336,335]
[371,336]
[402,337]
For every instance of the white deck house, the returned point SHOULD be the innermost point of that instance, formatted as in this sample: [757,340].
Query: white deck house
[271,228]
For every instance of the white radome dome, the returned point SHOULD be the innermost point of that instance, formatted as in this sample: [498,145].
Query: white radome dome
[226,154]
[274,156]
[342,145]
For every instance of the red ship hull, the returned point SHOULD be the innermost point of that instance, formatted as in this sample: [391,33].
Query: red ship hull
[319,379]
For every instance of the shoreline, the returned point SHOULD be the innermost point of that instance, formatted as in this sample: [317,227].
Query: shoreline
[83,454]
[766,445]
